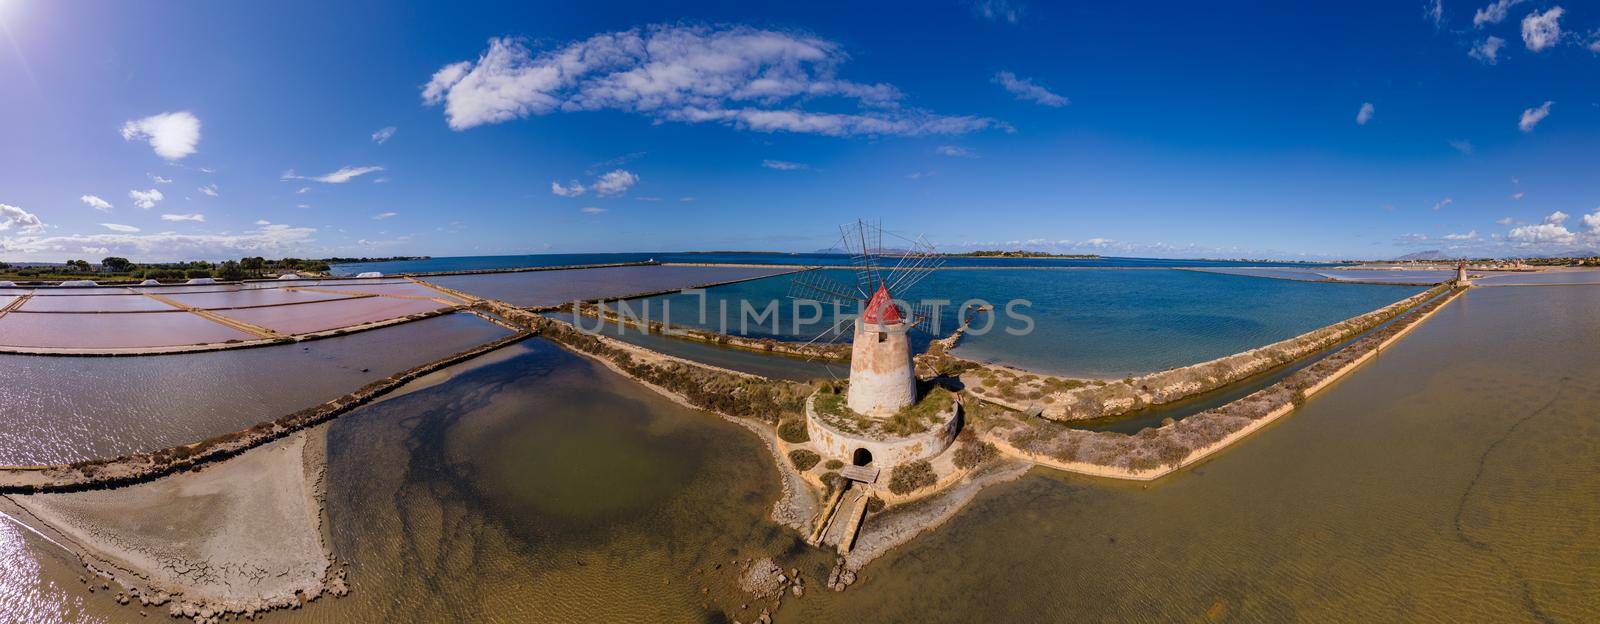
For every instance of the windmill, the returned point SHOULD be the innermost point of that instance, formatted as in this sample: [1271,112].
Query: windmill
[882,378]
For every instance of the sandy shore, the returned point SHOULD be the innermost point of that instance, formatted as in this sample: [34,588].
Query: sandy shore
[242,536]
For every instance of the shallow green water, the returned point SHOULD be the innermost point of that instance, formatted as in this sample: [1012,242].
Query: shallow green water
[542,488]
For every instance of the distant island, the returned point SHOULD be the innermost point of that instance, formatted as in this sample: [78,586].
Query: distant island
[1018,253]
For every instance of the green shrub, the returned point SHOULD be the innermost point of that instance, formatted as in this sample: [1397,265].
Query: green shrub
[803,459]
[910,477]
[833,464]
[793,432]
[973,454]
[874,505]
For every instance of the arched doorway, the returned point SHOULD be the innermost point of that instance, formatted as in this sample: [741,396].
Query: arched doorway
[862,457]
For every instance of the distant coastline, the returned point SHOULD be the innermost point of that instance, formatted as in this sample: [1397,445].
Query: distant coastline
[1018,253]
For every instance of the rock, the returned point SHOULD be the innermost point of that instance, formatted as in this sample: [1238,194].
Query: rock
[783,578]
[122,599]
[798,591]
[764,618]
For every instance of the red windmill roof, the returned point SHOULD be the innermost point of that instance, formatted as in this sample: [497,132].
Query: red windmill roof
[881,308]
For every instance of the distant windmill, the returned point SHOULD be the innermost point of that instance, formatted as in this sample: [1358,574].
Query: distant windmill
[882,379]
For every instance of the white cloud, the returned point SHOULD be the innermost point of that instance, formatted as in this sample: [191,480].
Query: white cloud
[1487,50]
[303,190]
[918,175]
[384,215]
[686,199]
[1591,222]
[997,10]
[1025,89]
[1517,195]
[1542,233]
[1443,202]
[784,165]
[94,201]
[615,183]
[1532,116]
[14,217]
[383,135]
[571,190]
[209,189]
[1494,13]
[146,199]
[343,175]
[160,180]
[1365,114]
[1435,12]
[195,217]
[1472,235]
[272,240]
[118,227]
[1505,221]
[1553,230]
[954,151]
[591,210]
[1542,30]
[1461,145]
[1412,238]
[263,222]
[173,135]
[743,77]
[1594,46]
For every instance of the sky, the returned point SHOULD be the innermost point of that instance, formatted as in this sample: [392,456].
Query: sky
[1352,130]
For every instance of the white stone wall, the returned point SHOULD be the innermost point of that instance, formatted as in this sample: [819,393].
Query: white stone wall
[882,379]
[886,453]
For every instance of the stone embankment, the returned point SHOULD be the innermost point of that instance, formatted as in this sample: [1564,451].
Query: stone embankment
[1155,452]
[1066,399]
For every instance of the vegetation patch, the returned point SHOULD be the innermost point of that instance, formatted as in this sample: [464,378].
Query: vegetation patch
[803,460]
[920,416]
[793,431]
[971,453]
[910,477]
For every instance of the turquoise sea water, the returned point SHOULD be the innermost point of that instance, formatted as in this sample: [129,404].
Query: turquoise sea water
[468,263]
[1107,323]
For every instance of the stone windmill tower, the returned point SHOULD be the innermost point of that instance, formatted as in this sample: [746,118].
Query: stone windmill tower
[882,377]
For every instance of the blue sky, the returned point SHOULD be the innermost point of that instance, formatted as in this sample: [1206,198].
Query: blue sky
[1178,129]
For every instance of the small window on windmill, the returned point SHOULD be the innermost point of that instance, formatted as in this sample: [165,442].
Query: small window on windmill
[883,336]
